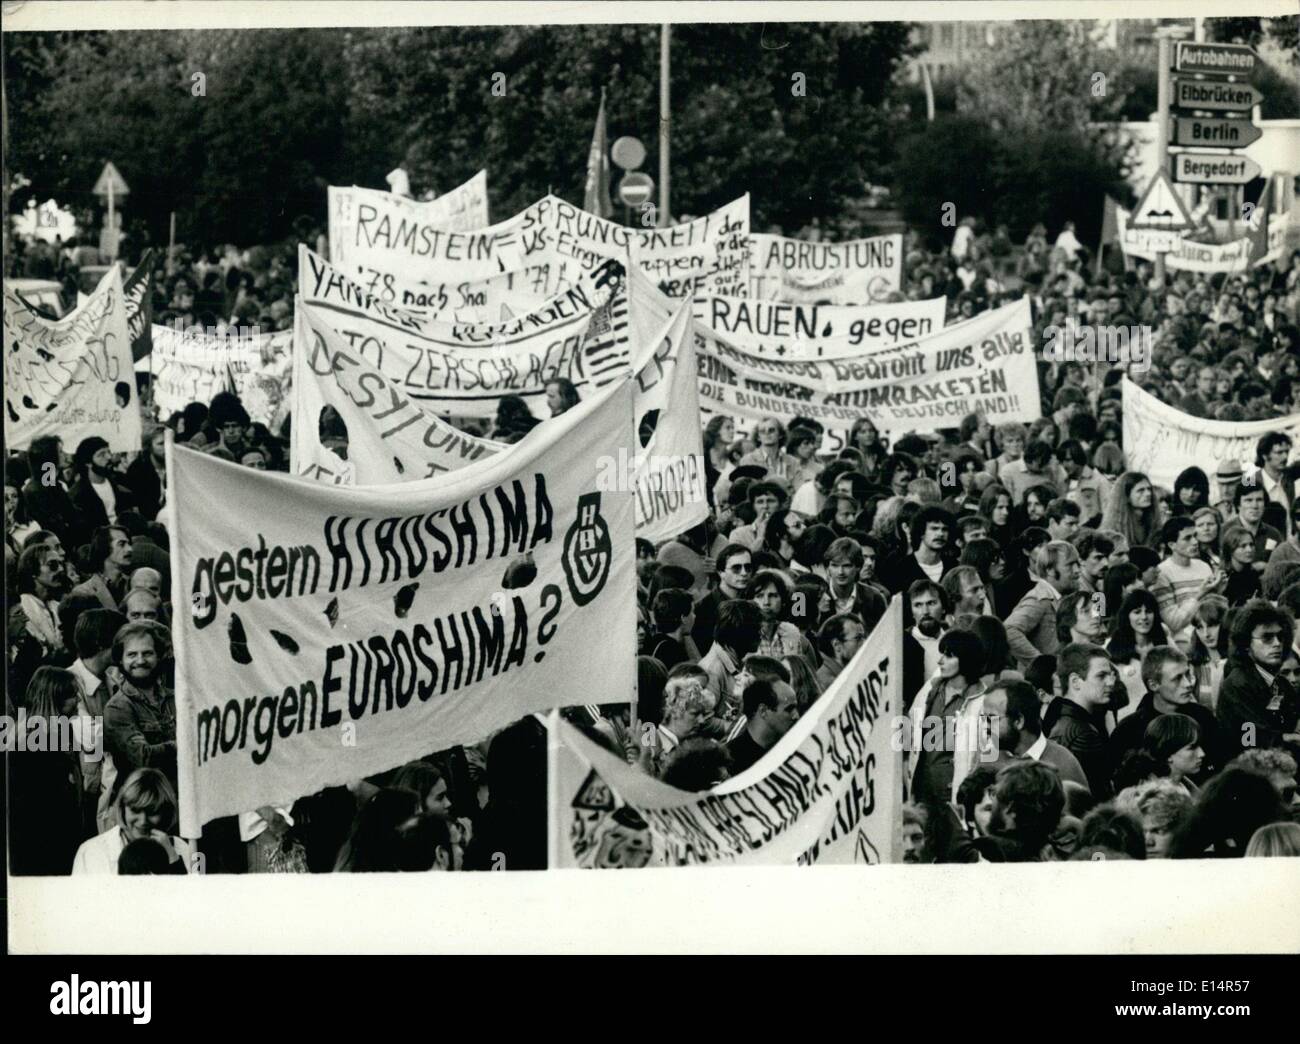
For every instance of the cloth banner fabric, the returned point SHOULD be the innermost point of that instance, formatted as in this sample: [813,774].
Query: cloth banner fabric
[193,367]
[463,369]
[361,219]
[544,250]
[1161,441]
[138,290]
[336,632]
[829,792]
[856,272]
[391,437]
[71,377]
[781,330]
[983,365]
[1188,255]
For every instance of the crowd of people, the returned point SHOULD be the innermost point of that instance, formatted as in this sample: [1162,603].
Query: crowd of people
[1128,652]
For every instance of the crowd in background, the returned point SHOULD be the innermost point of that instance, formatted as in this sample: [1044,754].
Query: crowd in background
[1129,651]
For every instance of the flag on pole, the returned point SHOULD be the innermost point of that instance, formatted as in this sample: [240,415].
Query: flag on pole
[1110,223]
[1257,224]
[597,199]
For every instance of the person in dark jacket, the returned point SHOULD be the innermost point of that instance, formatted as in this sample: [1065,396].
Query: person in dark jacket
[98,492]
[1076,719]
[46,497]
[146,476]
[1257,706]
[771,709]
[1171,689]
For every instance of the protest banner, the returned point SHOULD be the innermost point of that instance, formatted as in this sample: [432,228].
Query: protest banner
[856,272]
[71,377]
[390,437]
[1161,441]
[811,331]
[359,218]
[829,792]
[334,632]
[1187,255]
[542,251]
[463,369]
[983,365]
[138,291]
[666,463]
[193,366]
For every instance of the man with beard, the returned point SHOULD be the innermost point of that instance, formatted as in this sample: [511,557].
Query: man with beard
[98,492]
[1014,709]
[931,535]
[1028,800]
[147,474]
[929,604]
[140,718]
[110,556]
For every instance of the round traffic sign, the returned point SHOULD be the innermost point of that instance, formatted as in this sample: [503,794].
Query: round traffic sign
[635,188]
[628,153]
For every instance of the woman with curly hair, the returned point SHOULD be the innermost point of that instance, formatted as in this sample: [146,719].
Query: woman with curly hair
[1191,492]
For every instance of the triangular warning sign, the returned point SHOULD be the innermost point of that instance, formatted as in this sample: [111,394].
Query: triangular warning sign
[506,313]
[594,794]
[1161,208]
[109,176]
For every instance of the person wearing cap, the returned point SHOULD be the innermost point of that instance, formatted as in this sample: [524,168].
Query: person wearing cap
[98,492]
[1228,476]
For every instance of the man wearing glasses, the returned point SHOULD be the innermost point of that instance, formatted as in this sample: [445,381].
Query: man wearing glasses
[735,570]
[1258,707]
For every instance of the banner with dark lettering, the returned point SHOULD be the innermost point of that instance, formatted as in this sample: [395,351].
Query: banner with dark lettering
[1161,441]
[666,463]
[829,792]
[860,271]
[983,365]
[192,366]
[335,632]
[361,218]
[540,252]
[389,436]
[463,369]
[71,377]
[813,331]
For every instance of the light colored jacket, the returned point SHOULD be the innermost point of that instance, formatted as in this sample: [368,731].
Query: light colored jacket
[1031,625]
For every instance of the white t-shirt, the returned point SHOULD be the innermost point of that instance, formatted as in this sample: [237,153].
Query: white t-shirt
[104,490]
[934,572]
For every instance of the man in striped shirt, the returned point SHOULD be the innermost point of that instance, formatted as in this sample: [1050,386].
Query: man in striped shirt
[1181,579]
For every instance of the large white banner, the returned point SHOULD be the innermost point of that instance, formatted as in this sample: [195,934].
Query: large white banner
[856,272]
[191,366]
[540,252]
[463,369]
[829,792]
[366,222]
[1160,441]
[808,331]
[390,437]
[983,365]
[71,377]
[336,632]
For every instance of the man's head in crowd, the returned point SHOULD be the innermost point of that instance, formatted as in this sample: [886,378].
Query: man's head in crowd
[93,637]
[1028,800]
[146,578]
[965,590]
[1086,675]
[1168,676]
[1094,556]
[738,627]
[932,529]
[1079,618]
[1062,519]
[1261,634]
[141,605]
[1013,707]
[1250,501]
[929,605]
[916,834]
[228,416]
[110,550]
[842,636]
[844,563]
[771,709]
[1057,562]
[94,455]
[43,571]
[735,570]
[138,649]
